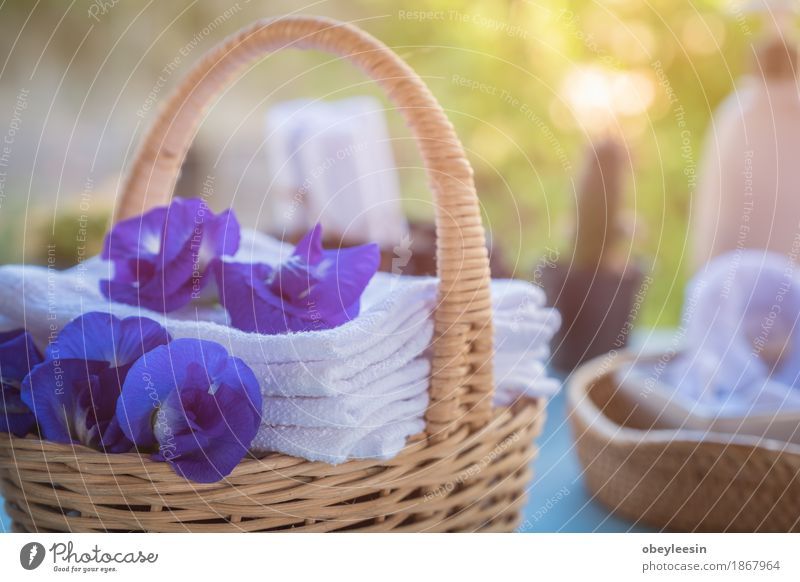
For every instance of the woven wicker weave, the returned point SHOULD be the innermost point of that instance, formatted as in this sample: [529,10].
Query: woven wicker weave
[468,472]
[675,479]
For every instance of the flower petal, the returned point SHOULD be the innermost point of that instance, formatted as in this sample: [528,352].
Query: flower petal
[147,384]
[161,259]
[235,426]
[346,273]
[198,406]
[221,236]
[52,391]
[155,375]
[237,293]
[18,355]
[102,337]
[139,236]
[313,290]
[309,249]
[15,416]
[139,335]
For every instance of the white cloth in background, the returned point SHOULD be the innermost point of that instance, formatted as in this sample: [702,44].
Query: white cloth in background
[331,162]
[742,327]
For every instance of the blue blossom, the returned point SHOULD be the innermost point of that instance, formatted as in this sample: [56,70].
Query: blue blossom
[192,405]
[314,289]
[73,393]
[161,259]
[18,355]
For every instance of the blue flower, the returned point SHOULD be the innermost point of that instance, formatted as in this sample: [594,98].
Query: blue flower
[192,405]
[161,259]
[73,393]
[314,289]
[17,356]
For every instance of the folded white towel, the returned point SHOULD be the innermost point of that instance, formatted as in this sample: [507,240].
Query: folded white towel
[526,332]
[375,428]
[344,376]
[517,376]
[349,410]
[381,436]
[525,377]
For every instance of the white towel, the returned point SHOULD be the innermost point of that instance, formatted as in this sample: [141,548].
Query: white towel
[359,194]
[741,354]
[516,376]
[348,410]
[374,429]
[521,377]
[342,376]
[381,436]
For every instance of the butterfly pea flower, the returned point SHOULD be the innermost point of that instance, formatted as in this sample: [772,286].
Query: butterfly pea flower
[313,289]
[192,405]
[18,355]
[73,393]
[161,259]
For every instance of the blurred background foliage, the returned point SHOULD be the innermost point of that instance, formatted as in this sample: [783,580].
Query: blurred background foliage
[527,84]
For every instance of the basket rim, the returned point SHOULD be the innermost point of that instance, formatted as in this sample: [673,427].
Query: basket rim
[591,416]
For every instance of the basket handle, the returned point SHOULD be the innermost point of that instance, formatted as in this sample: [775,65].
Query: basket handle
[461,377]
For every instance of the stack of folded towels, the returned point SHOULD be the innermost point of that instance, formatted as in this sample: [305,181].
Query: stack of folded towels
[355,391]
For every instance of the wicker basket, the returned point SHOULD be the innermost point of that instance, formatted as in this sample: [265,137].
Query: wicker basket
[470,469]
[677,479]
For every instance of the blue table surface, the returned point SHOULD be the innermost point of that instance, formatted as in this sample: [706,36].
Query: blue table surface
[557,499]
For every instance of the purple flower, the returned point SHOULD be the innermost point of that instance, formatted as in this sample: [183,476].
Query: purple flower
[17,356]
[194,405]
[161,258]
[314,289]
[73,393]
